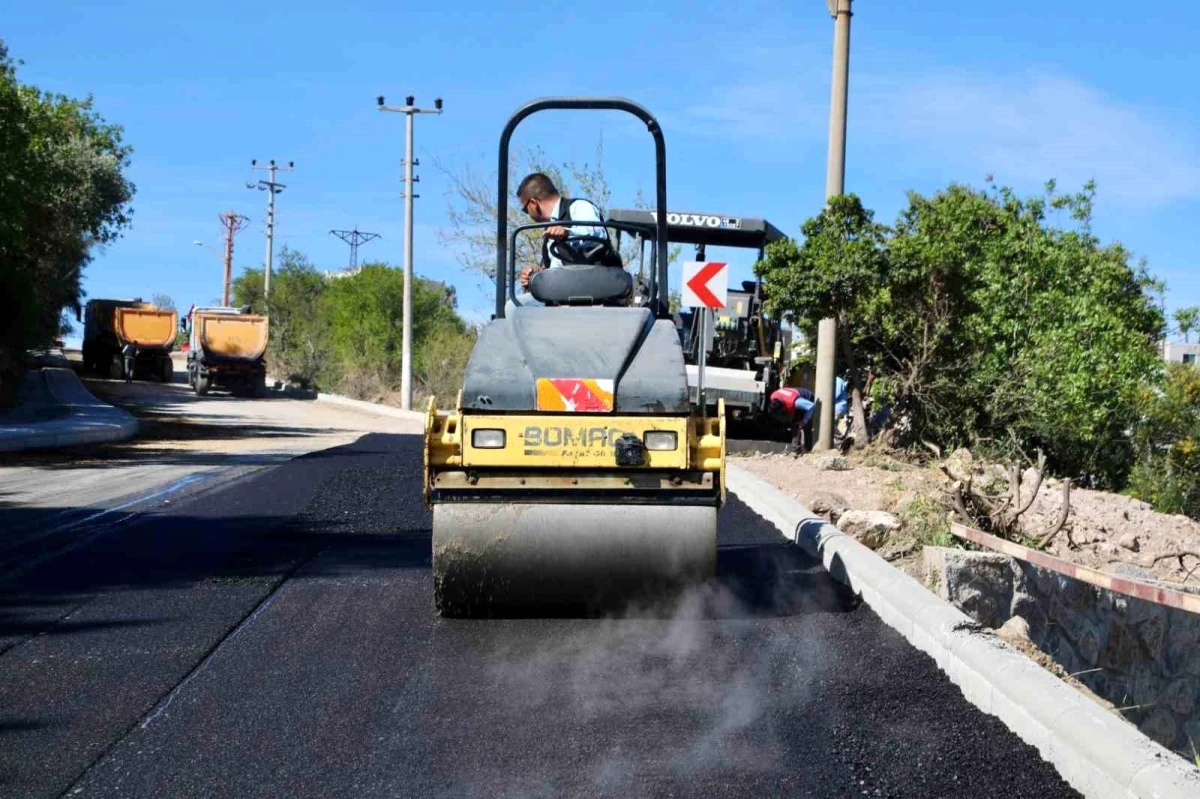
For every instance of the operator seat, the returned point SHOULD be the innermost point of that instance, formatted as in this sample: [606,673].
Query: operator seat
[582,284]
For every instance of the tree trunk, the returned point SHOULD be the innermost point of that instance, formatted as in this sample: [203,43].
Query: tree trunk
[857,413]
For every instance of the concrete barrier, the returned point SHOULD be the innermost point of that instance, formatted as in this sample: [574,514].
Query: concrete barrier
[86,420]
[347,402]
[1100,754]
[371,407]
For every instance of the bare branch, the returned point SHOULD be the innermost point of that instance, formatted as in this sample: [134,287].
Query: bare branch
[960,507]
[1037,483]
[1062,516]
[967,481]
[1014,485]
[1181,555]
[994,510]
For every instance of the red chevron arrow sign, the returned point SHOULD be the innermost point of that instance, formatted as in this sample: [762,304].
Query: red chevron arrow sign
[705,285]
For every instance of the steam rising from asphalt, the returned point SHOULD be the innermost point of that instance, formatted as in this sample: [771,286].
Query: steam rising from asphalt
[706,673]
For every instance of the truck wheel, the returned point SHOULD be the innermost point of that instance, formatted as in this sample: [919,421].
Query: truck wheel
[167,370]
[259,385]
[116,368]
[202,384]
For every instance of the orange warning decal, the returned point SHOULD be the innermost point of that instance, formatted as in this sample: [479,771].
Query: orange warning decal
[579,395]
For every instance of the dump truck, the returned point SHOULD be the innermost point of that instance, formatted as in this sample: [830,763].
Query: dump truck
[746,348]
[227,348]
[572,472]
[111,324]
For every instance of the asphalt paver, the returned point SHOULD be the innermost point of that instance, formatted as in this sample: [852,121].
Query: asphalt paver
[276,637]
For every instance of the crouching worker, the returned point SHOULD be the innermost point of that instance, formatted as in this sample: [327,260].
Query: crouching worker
[792,408]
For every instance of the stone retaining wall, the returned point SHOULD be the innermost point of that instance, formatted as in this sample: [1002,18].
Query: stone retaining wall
[1141,656]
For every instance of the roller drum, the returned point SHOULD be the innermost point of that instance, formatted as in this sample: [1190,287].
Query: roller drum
[491,559]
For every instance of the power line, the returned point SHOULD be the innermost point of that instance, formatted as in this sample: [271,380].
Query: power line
[232,222]
[409,110]
[835,184]
[271,187]
[354,238]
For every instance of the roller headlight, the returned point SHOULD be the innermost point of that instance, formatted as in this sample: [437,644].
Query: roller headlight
[487,439]
[661,440]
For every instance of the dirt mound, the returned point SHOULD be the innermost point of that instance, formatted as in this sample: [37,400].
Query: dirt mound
[1108,532]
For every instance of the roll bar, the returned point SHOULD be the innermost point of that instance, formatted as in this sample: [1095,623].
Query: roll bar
[660,291]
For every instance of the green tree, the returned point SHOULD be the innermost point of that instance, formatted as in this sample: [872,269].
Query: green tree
[365,313]
[299,333]
[988,327]
[1167,441]
[344,334]
[247,290]
[1187,319]
[840,270]
[65,191]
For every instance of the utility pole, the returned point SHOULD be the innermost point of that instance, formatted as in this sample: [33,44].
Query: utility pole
[354,238]
[271,187]
[232,222]
[835,184]
[409,110]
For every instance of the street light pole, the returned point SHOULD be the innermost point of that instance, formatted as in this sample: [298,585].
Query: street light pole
[835,164]
[271,187]
[835,184]
[409,110]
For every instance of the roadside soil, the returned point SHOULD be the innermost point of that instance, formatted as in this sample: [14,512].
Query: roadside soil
[1107,532]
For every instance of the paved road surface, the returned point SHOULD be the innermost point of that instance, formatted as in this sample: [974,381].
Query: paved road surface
[185,443]
[273,635]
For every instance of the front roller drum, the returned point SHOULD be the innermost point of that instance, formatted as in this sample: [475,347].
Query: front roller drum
[522,559]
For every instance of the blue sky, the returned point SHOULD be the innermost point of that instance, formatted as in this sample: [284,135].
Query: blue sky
[938,92]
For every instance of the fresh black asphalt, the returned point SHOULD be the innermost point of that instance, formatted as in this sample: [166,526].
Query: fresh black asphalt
[275,636]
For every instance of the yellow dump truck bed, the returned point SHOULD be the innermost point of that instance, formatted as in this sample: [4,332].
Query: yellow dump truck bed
[146,327]
[240,336]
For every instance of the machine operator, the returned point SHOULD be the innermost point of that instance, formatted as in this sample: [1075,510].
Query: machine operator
[540,200]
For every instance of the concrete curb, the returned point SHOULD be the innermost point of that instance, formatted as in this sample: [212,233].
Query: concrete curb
[1099,754]
[347,402]
[371,407]
[88,421]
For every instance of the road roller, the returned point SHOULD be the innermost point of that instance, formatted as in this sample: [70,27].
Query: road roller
[571,472]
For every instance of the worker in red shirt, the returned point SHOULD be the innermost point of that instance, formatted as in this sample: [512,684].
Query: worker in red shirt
[793,407]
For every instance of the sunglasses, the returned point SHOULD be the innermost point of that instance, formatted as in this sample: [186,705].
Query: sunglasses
[525,207]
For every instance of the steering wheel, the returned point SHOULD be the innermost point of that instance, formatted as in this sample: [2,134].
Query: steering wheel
[578,249]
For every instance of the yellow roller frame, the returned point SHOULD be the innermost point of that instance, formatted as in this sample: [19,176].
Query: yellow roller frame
[575,441]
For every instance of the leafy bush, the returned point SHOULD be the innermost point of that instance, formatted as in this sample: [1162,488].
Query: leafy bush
[984,325]
[442,363]
[1167,442]
[925,520]
[1153,481]
[64,192]
[345,334]
[298,344]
